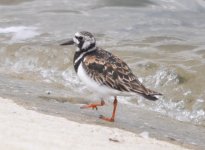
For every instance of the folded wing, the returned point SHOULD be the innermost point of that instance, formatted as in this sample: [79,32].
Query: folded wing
[109,70]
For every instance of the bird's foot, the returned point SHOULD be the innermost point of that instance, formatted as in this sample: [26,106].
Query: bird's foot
[94,105]
[106,118]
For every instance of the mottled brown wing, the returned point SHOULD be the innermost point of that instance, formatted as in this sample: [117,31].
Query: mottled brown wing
[109,70]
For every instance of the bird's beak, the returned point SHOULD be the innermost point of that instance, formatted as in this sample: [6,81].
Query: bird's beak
[69,42]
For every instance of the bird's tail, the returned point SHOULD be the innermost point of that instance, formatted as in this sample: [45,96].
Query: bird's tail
[151,95]
[139,88]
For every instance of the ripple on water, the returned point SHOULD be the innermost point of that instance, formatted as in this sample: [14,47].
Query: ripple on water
[177,101]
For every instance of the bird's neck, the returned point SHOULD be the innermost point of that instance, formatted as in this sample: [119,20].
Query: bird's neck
[83,47]
[79,56]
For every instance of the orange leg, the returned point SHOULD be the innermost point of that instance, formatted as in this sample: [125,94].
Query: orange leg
[94,105]
[112,119]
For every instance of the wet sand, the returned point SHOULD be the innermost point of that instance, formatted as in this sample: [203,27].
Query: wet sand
[26,129]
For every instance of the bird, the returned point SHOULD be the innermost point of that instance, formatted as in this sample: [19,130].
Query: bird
[104,73]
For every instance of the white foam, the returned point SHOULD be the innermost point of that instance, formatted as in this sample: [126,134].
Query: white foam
[20,33]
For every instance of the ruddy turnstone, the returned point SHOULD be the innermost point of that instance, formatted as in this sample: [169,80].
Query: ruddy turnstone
[104,72]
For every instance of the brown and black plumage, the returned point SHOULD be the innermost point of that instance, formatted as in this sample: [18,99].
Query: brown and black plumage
[107,69]
[104,72]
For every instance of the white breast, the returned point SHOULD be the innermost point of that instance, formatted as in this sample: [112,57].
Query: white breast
[94,86]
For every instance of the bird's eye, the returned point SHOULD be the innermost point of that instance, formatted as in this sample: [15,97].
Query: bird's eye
[80,37]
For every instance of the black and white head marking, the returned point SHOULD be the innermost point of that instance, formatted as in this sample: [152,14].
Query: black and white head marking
[84,41]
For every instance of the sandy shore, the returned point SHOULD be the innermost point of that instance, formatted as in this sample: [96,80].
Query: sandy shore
[23,129]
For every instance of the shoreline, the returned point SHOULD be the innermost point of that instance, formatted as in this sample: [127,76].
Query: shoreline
[28,129]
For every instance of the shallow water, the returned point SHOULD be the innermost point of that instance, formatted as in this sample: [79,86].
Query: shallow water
[162,41]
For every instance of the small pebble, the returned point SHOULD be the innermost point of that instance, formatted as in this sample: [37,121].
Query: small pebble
[48,92]
[114,140]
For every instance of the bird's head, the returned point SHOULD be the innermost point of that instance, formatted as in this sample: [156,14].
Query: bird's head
[83,40]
